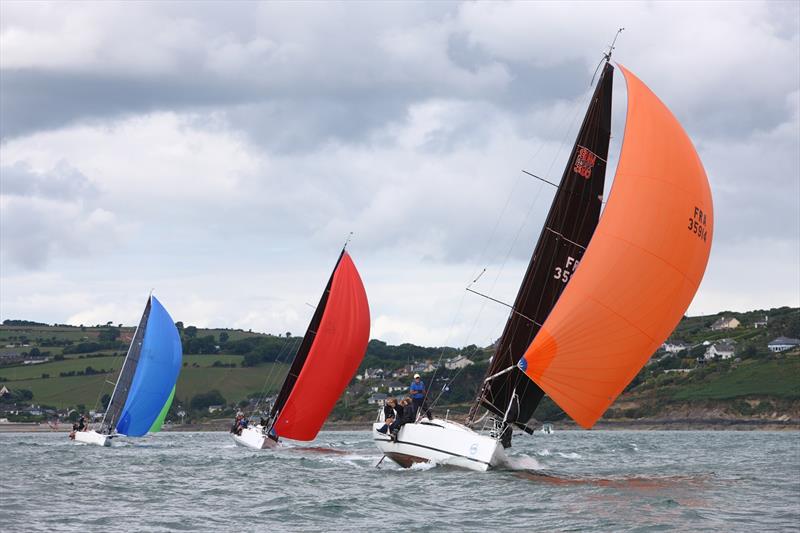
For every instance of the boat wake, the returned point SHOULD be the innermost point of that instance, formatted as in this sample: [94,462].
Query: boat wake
[633,483]
[569,455]
[321,450]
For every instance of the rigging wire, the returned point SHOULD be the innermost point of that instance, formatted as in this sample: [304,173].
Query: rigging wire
[292,347]
[114,361]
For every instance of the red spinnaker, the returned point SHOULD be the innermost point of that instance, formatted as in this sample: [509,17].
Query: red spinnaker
[339,346]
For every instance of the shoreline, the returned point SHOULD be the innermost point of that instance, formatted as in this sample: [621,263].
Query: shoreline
[644,424]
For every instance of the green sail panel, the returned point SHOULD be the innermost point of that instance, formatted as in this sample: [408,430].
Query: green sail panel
[156,427]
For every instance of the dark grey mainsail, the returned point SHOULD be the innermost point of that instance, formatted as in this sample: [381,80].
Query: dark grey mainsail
[569,227]
[122,388]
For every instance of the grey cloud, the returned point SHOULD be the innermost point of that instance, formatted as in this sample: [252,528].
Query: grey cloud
[62,182]
[51,214]
[309,84]
[35,100]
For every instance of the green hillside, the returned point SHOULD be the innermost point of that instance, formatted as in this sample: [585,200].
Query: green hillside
[233,383]
[780,378]
[77,365]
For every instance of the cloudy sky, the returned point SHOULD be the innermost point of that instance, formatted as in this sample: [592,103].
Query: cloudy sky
[220,153]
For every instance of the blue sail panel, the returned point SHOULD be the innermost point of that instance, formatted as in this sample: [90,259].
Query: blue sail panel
[156,373]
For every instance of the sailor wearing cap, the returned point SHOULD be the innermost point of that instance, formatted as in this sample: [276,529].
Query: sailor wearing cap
[417,392]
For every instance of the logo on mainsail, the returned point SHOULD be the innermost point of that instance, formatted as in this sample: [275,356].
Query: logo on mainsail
[584,162]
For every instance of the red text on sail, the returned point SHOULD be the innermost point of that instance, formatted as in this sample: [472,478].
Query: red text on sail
[584,162]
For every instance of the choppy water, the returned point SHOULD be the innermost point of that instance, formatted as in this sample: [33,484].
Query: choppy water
[567,481]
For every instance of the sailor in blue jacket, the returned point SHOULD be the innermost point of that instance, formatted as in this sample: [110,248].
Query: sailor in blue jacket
[417,392]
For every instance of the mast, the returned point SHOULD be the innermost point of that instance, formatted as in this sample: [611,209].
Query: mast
[305,347]
[120,393]
[570,224]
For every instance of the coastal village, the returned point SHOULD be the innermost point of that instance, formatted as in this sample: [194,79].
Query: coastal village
[41,366]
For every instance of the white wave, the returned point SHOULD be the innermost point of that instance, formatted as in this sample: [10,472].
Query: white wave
[571,455]
[544,453]
[423,466]
[523,462]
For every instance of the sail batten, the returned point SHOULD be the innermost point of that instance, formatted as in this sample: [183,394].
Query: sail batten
[640,270]
[569,226]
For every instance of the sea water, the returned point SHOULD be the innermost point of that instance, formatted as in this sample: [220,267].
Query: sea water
[567,481]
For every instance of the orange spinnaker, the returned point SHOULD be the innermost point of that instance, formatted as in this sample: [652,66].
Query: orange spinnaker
[339,346]
[640,270]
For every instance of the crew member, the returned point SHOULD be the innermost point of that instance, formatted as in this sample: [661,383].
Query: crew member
[417,392]
[388,415]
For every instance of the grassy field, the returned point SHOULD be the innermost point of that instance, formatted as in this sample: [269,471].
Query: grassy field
[109,363]
[33,333]
[76,334]
[65,392]
[53,368]
[233,384]
[749,378]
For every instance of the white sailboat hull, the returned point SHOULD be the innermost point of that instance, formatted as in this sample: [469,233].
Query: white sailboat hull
[92,437]
[442,442]
[253,437]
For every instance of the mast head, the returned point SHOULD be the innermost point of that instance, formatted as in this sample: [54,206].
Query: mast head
[607,55]
[347,241]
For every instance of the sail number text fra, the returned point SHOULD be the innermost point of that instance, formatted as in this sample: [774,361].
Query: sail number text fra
[563,273]
[697,224]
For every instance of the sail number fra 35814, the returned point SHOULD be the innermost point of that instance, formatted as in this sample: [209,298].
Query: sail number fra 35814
[697,224]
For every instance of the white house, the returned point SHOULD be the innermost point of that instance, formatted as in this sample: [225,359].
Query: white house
[400,372]
[428,367]
[723,349]
[377,398]
[675,346]
[373,373]
[725,323]
[782,344]
[396,386]
[457,362]
[761,323]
